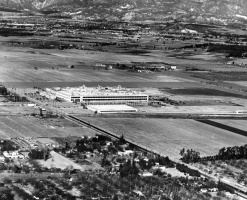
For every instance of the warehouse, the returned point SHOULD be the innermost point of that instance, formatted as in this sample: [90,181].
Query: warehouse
[101,95]
[111,109]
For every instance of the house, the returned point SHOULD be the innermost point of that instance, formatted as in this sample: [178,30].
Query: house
[213,189]
[13,155]
[146,174]
[204,190]
[109,143]
[137,193]
[173,67]
[34,145]
[126,153]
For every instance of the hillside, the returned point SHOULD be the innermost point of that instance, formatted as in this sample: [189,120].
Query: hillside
[201,11]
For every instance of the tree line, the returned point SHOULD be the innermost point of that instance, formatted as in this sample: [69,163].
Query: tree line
[225,153]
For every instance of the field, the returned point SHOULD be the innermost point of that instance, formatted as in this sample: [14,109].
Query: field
[24,64]
[169,136]
[14,126]
[18,65]
[241,83]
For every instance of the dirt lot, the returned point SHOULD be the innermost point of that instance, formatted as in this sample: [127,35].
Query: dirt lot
[59,161]
[169,136]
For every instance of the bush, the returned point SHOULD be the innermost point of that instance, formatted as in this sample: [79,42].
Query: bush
[120,160]
[7,181]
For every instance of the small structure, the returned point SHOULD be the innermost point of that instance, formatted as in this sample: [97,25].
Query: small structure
[71,66]
[108,67]
[173,67]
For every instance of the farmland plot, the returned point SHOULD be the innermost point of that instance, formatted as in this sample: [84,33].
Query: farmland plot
[169,136]
[24,126]
[14,127]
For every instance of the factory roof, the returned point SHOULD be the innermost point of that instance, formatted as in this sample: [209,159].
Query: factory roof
[98,91]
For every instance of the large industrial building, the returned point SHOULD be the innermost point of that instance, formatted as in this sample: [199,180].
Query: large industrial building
[99,95]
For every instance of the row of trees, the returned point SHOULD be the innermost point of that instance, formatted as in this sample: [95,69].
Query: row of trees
[236,152]
[183,168]
[8,145]
[225,153]
[229,153]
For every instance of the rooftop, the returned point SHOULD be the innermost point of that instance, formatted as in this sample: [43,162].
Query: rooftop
[98,91]
[112,108]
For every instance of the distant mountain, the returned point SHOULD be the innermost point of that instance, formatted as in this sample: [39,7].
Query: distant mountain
[201,11]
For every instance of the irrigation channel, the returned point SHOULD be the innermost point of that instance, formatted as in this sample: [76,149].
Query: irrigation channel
[238,190]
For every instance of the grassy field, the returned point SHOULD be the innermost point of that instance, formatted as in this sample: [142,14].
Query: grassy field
[18,65]
[169,136]
[241,83]
[14,126]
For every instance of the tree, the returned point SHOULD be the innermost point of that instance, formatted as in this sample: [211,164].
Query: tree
[182,152]
[26,169]
[67,146]
[7,181]
[128,168]
[122,139]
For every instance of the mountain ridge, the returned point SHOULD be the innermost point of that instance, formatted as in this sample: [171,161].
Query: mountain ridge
[201,11]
